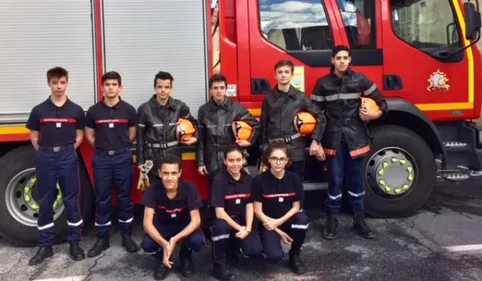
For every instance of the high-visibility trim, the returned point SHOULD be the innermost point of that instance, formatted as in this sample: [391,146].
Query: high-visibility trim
[58,120]
[173,211]
[237,196]
[279,195]
[300,226]
[117,121]
[360,151]
[75,223]
[47,226]
[220,237]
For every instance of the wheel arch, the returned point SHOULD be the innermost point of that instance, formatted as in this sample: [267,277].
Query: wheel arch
[404,114]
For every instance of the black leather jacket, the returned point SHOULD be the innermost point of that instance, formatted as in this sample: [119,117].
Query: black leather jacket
[157,130]
[340,99]
[215,131]
[277,115]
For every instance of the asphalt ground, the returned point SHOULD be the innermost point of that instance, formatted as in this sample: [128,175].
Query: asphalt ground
[443,241]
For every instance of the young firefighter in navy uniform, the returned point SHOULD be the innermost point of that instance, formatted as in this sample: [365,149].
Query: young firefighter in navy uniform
[158,120]
[279,109]
[215,120]
[111,129]
[56,131]
[346,139]
[171,215]
[278,196]
[231,198]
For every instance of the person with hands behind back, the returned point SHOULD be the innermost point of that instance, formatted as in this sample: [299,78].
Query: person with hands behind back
[231,199]
[277,196]
[171,215]
[342,95]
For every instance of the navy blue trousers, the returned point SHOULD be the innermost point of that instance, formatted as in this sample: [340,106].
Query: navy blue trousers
[296,227]
[109,172]
[62,167]
[193,242]
[224,238]
[338,165]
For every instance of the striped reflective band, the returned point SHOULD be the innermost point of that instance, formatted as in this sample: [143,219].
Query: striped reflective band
[58,120]
[117,121]
[177,210]
[335,97]
[370,90]
[237,196]
[279,195]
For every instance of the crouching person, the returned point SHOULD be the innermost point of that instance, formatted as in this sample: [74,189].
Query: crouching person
[232,228]
[277,196]
[171,216]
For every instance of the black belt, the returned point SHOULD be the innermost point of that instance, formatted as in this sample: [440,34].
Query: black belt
[113,152]
[162,145]
[56,148]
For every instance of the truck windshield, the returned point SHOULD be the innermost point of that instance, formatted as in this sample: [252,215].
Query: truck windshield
[425,23]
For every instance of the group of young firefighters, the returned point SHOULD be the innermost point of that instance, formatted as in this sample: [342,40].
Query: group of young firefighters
[222,131]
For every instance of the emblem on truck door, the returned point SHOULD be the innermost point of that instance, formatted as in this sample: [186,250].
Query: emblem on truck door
[438,82]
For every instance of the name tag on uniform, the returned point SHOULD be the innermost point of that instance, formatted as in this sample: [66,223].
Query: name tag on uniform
[173,215]
[58,125]
[111,125]
[238,201]
[281,199]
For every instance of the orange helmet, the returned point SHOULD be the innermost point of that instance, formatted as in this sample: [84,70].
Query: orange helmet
[242,130]
[369,104]
[304,123]
[184,130]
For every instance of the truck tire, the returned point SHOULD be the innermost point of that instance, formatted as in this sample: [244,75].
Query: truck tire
[18,209]
[400,172]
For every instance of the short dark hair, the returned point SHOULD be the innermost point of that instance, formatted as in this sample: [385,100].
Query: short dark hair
[231,148]
[217,78]
[273,146]
[170,159]
[57,72]
[112,75]
[284,63]
[163,75]
[340,48]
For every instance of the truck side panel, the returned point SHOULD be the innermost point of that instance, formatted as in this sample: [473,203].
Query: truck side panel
[38,35]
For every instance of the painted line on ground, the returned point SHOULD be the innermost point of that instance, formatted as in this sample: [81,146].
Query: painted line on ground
[70,278]
[464,248]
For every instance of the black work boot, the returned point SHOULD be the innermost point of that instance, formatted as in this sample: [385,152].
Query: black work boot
[76,252]
[220,270]
[129,244]
[42,254]
[331,227]
[187,266]
[98,248]
[161,271]
[361,226]
[296,264]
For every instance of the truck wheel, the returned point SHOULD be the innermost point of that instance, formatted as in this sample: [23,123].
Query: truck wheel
[18,194]
[400,172]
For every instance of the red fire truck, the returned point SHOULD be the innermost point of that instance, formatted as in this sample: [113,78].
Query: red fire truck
[420,53]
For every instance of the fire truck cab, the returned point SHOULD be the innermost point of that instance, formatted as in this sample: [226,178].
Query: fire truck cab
[420,53]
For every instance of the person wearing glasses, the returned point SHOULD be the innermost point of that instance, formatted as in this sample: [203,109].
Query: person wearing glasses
[277,195]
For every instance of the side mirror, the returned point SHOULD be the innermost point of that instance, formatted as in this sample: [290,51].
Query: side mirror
[472,21]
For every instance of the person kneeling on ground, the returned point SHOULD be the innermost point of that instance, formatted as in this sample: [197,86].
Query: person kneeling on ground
[231,198]
[171,215]
[278,195]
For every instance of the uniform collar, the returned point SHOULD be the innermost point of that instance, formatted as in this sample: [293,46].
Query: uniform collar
[115,106]
[179,190]
[348,72]
[226,104]
[230,178]
[52,105]
[291,91]
[170,102]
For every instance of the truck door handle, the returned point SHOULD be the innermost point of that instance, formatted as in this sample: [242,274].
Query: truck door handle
[260,86]
[392,82]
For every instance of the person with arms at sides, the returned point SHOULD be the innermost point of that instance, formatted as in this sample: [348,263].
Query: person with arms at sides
[231,199]
[346,140]
[171,216]
[56,131]
[158,120]
[215,120]
[279,109]
[111,129]
[277,196]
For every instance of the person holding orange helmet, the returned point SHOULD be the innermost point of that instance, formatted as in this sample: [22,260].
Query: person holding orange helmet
[222,121]
[349,100]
